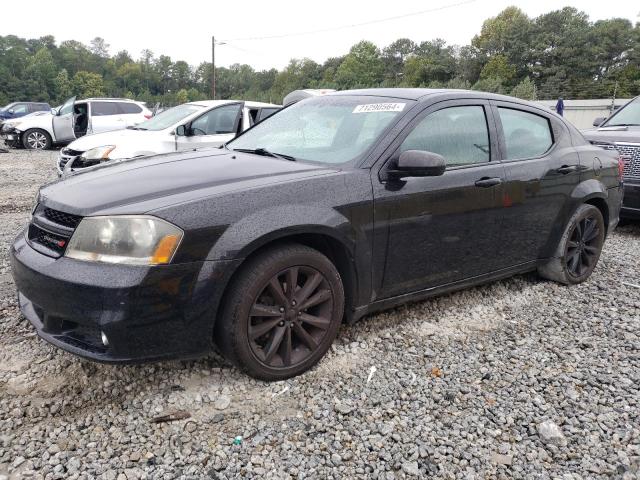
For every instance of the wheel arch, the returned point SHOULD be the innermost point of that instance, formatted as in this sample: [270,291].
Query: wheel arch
[593,192]
[323,239]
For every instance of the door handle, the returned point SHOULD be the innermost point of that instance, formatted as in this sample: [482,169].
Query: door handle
[487,182]
[565,169]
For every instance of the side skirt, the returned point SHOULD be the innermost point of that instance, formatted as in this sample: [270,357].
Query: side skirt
[392,302]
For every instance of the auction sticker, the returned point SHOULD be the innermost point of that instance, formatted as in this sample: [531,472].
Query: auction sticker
[379,107]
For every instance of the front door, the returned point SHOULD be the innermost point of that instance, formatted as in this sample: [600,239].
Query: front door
[432,231]
[212,128]
[63,122]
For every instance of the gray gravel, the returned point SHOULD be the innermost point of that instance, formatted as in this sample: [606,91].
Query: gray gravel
[517,379]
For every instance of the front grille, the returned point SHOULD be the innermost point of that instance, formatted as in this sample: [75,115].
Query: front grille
[50,230]
[51,241]
[62,218]
[632,157]
[66,155]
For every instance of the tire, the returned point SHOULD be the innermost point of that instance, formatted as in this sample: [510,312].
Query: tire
[298,325]
[36,139]
[579,248]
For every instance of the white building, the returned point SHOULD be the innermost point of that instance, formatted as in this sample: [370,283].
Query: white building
[582,113]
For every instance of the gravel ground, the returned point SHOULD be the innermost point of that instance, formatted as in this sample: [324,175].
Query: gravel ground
[516,379]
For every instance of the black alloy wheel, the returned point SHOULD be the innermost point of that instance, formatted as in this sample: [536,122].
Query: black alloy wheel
[579,248]
[282,312]
[583,247]
[290,317]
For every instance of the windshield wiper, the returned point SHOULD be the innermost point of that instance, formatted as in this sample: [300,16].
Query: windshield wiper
[136,128]
[621,125]
[266,153]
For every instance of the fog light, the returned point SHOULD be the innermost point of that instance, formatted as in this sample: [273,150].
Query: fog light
[105,340]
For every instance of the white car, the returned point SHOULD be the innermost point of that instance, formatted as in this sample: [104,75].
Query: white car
[207,123]
[74,119]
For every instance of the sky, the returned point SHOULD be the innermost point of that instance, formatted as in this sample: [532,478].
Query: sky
[183,30]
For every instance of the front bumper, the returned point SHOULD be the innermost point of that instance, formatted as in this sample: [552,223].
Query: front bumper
[10,136]
[631,201]
[146,313]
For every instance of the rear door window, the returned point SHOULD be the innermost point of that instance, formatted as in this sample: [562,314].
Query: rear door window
[102,109]
[129,108]
[459,134]
[526,135]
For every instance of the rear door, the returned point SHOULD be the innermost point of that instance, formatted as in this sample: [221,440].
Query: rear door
[131,113]
[63,122]
[432,231]
[105,117]
[542,170]
[213,128]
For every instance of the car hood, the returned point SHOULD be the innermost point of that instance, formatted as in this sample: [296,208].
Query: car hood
[613,134]
[145,184]
[116,137]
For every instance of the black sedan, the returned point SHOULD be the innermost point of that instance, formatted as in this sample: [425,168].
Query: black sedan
[333,208]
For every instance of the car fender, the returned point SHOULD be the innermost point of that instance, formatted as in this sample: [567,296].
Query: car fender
[587,190]
[42,122]
[253,231]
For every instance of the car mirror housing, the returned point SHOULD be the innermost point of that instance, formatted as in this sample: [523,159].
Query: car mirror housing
[183,131]
[599,121]
[54,112]
[419,163]
[12,111]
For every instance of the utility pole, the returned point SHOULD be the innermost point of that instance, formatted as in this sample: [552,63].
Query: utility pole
[213,68]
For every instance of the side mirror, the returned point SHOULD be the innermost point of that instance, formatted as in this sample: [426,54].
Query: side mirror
[12,111]
[599,121]
[418,163]
[54,112]
[182,131]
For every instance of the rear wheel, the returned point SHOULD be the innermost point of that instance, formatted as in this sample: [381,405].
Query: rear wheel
[36,139]
[282,313]
[579,248]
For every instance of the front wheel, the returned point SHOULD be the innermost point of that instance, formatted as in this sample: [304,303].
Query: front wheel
[579,248]
[36,139]
[282,313]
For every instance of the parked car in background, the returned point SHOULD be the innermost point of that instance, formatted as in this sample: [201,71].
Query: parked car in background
[298,95]
[9,125]
[621,132]
[20,109]
[74,119]
[333,208]
[206,123]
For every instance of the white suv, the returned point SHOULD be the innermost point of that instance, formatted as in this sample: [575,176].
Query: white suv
[74,119]
[206,123]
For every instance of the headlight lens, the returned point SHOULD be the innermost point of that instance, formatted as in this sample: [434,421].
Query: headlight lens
[99,153]
[134,240]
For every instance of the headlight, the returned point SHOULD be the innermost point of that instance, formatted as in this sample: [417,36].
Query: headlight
[99,153]
[134,240]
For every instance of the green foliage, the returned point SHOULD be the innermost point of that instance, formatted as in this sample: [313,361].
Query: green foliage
[362,67]
[88,84]
[559,53]
[526,90]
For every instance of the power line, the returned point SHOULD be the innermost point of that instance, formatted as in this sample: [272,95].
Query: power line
[353,25]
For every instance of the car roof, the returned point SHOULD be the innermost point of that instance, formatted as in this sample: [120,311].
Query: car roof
[215,103]
[422,94]
[108,99]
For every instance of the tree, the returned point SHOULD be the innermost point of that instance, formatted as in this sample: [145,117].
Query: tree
[99,47]
[363,66]
[526,90]
[498,67]
[64,89]
[88,84]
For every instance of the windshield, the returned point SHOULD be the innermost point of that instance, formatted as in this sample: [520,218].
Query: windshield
[7,107]
[169,117]
[627,115]
[333,129]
